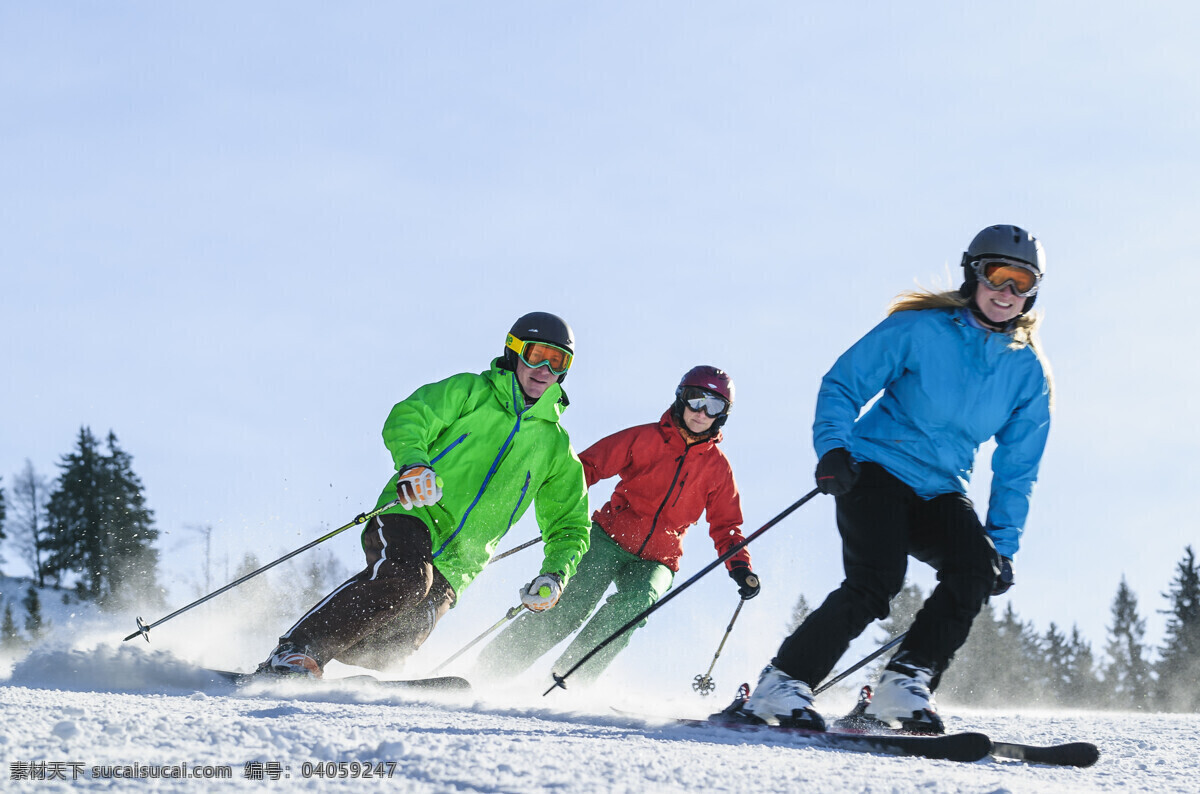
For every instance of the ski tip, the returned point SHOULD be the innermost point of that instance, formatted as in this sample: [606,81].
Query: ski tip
[230,675]
[448,683]
[1088,753]
[1080,754]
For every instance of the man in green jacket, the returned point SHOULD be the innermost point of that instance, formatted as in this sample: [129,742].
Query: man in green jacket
[471,453]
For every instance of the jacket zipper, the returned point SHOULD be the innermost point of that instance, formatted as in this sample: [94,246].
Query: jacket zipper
[520,499]
[453,444]
[658,512]
[679,493]
[487,479]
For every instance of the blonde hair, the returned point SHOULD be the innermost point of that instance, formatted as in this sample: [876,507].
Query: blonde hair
[1023,332]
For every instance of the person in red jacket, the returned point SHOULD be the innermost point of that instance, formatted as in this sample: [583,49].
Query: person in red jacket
[670,473]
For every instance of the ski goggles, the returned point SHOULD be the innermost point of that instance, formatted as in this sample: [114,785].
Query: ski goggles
[538,354]
[999,273]
[699,400]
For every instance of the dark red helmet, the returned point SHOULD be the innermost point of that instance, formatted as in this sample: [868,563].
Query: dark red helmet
[709,379]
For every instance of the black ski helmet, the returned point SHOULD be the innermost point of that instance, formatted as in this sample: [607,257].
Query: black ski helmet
[540,327]
[1008,241]
[709,379]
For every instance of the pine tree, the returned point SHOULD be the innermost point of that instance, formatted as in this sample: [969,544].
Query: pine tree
[903,608]
[1057,653]
[130,559]
[1127,674]
[100,527]
[971,678]
[1179,663]
[259,603]
[1083,684]
[75,512]
[10,637]
[322,575]
[29,527]
[33,613]
[3,535]
[800,613]
[1019,667]
[312,584]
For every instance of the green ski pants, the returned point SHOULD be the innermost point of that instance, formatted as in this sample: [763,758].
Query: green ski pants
[640,583]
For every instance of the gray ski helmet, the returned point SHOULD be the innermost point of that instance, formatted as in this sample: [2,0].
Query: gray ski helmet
[1008,241]
[540,327]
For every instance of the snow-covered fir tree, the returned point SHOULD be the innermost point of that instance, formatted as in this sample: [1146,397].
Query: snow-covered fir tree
[100,528]
[1127,672]
[1178,686]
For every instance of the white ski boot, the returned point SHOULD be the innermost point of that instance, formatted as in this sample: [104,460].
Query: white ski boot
[782,700]
[289,659]
[902,699]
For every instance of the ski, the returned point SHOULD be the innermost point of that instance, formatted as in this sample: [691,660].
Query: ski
[1081,754]
[962,747]
[449,683]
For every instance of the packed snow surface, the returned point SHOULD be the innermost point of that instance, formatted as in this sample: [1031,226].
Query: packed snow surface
[85,718]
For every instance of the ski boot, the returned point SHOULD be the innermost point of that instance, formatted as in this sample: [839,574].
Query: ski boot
[290,660]
[903,700]
[782,700]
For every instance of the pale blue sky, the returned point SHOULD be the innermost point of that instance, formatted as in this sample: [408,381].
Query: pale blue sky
[237,233]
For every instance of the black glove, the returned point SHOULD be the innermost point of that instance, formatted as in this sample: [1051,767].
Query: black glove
[836,472]
[747,580]
[1005,579]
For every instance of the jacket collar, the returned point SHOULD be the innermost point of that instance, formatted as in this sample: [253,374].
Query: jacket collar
[670,431]
[549,406]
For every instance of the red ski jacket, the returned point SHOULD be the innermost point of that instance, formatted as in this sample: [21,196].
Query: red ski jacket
[665,485]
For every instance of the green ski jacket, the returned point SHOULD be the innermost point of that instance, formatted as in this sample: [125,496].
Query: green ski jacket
[495,456]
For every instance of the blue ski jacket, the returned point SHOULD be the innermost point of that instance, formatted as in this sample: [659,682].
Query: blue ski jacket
[947,386]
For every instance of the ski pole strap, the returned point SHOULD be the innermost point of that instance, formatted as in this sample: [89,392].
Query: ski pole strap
[560,680]
[361,518]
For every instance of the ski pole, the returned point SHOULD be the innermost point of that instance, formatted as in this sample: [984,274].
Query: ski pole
[509,615]
[513,550]
[704,683]
[361,518]
[865,661]
[560,680]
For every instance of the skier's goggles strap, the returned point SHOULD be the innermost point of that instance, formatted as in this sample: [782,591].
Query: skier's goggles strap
[699,400]
[537,354]
[999,273]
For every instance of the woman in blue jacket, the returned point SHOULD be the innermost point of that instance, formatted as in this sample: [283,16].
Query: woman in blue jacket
[956,369]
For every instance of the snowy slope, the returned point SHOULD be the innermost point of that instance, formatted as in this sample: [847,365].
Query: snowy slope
[129,705]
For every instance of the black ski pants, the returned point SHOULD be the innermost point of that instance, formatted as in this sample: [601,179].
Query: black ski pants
[381,615]
[882,521]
